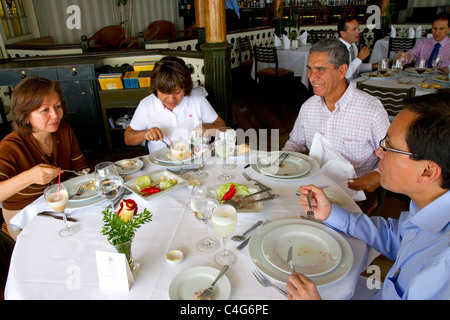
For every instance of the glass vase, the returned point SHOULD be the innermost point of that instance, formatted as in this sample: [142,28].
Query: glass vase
[125,248]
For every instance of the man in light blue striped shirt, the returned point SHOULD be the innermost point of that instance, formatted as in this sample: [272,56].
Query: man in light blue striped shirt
[415,161]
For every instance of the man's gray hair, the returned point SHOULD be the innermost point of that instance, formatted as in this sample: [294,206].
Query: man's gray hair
[337,51]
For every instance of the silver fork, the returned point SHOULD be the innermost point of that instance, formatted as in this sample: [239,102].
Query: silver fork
[266,282]
[261,185]
[310,212]
[80,190]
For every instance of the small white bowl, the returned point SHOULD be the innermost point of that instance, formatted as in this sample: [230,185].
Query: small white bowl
[174,256]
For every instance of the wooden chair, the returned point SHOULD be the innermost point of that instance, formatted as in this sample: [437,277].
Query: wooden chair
[139,41]
[269,55]
[106,39]
[245,51]
[400,44]
[391,98]
[167,29]
[268,13]
[321,13]
[316,35]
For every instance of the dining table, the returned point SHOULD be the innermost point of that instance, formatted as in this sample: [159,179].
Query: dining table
[45,265]
[380,51]
[295,59]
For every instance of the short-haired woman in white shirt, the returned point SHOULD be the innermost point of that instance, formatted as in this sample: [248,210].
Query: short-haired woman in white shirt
[172,110]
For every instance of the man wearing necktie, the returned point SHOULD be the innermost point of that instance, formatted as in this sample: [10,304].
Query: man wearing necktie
[429,48]
[348,31]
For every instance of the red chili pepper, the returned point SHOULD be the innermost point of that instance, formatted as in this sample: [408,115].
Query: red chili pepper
[230,193]
[150,190]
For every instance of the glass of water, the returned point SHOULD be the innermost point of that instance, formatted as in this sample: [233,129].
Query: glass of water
[108,182]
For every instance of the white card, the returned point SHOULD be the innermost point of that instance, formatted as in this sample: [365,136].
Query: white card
[113,271]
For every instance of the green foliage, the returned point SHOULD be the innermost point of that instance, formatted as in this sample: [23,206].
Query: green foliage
[119,231]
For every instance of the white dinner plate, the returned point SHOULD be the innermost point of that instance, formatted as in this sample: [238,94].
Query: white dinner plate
[256,207]
[196,279]
[314,167]
[374,76]
[74,184]
[314,251]
[164,155]
[156,176]
[196,161]
[259,260]
[292,166]
[441,79]
[413,71]
[138,164]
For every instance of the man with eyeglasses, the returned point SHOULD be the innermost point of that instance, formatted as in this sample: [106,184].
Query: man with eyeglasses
[415,161]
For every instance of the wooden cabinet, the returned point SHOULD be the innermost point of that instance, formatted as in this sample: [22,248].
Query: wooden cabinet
[79,86]
[116,104]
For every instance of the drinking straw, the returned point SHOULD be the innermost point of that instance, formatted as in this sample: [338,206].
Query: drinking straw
[170,141]
[59,181]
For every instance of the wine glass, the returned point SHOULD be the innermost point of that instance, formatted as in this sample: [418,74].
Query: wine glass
[200,143]
[383,66]
[202,205]
[108,182]
[436,62]
[224,220]
[397,66]
[225,145]
[57,198]
[421,66]
[179,152]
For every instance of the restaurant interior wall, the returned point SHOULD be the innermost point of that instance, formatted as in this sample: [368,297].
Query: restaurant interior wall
[52,16]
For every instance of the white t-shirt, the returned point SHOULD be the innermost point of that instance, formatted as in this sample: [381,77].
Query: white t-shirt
[177,124]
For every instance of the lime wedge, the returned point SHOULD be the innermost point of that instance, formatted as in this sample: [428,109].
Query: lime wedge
[143,182]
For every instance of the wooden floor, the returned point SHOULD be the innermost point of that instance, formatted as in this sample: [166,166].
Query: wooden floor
[266,109]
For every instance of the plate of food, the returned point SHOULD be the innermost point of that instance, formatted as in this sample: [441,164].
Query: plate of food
[377,75]
[155,184]
[283,165]
[127,166]
[160,158]
[414,71]
[190,283]
[74,184]
[227,192]
[442,78]
[431,87]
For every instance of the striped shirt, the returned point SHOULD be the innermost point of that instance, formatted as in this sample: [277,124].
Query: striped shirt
[355,127]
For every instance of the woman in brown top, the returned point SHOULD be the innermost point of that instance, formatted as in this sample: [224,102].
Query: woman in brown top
[31,156]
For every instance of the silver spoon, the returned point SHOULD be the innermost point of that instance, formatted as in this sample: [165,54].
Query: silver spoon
[242,236]
[78,173]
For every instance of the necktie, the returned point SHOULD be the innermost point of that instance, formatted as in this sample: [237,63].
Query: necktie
[352,54]
[433,54]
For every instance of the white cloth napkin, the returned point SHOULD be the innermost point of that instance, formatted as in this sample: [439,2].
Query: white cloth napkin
[411,33]
[334,165]
[303,38]
[286,42]
[393,32]
[419,32]
[277,41]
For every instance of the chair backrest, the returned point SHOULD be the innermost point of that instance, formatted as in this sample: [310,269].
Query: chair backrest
[268,13]
[391,98]
[107,38]
[400,44]
[315,35]
[244,47]
[266,55]
[298,11]
[347,10]
[321,13]
[167,29]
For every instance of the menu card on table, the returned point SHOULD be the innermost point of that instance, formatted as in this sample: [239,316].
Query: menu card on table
[113,271]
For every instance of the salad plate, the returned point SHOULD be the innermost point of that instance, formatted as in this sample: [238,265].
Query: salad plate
[156,178]
[256,207]
[193,280]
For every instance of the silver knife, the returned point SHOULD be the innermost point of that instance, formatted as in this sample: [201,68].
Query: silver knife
[289,260]
[245,242]
[52,214]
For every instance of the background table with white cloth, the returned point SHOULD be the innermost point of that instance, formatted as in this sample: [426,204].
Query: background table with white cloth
[380,51]
[292,59]
[47,266]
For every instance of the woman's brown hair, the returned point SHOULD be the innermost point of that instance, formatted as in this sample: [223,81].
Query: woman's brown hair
[28,96]
[170,73]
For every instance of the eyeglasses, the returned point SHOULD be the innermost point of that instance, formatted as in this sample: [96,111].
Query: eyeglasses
[384,148]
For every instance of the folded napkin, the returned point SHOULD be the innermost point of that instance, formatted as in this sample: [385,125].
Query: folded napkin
[411,33]
[334,165]
[303,38]
[286,42]
[393,32]
[419,32]
[277,41]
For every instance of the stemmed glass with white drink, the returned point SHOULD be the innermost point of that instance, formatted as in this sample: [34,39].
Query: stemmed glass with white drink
[108,182]
[57,198]
[200,144]
[224,220]
[202,205]
[225,145]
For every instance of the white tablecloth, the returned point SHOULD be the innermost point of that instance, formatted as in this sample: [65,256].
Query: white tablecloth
[46,266]
[380,51]
[295,60]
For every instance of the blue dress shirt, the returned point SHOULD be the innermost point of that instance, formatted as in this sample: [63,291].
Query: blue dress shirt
[418,242]
[233,5]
